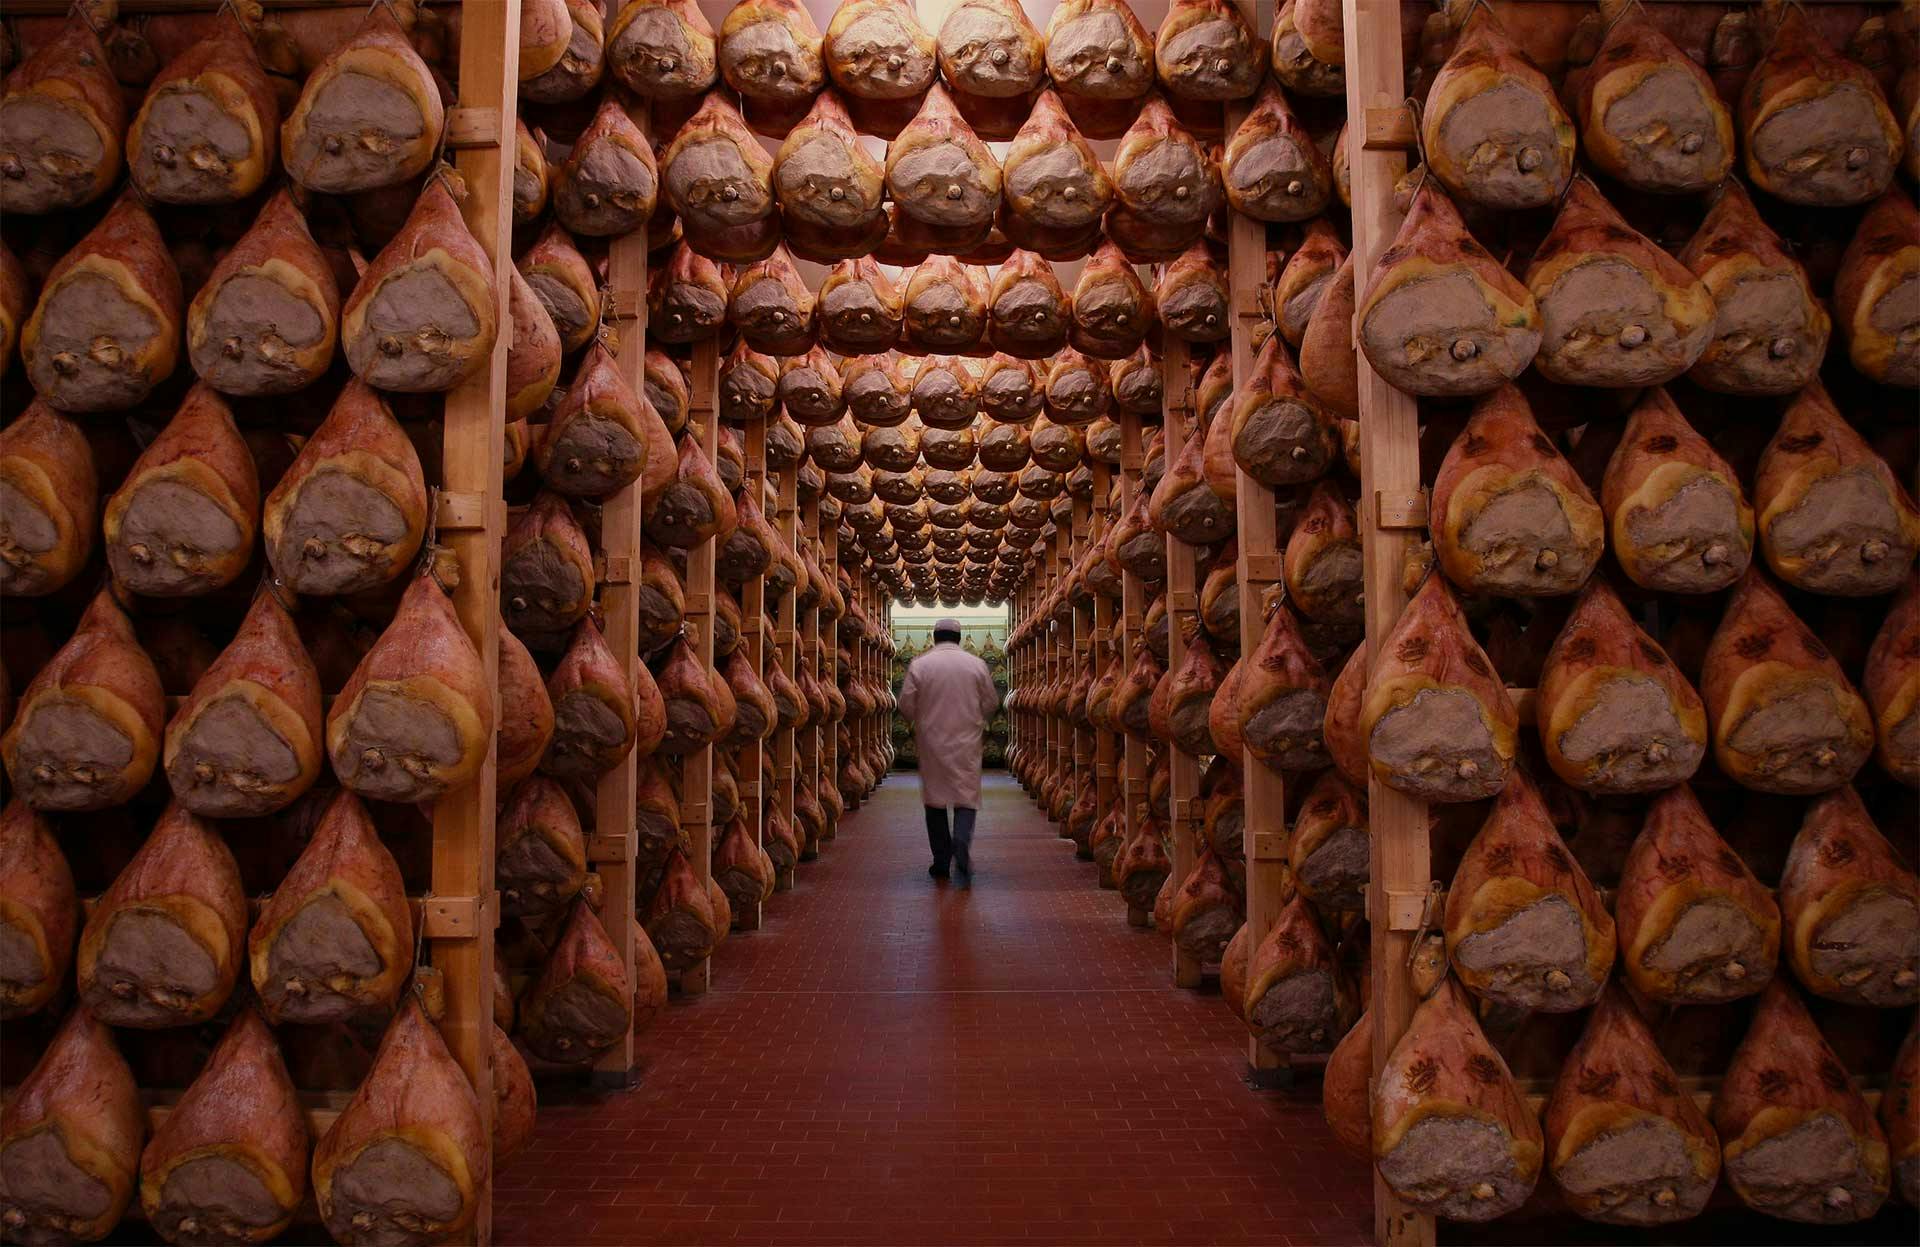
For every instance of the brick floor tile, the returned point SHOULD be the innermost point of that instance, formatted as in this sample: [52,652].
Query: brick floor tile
[887,1063]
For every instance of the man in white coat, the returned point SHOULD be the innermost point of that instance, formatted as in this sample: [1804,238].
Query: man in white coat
[948,696]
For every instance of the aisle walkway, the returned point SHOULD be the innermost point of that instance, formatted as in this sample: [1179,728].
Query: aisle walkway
[889,1062]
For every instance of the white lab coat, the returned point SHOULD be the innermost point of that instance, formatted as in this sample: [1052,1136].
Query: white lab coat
[948,696]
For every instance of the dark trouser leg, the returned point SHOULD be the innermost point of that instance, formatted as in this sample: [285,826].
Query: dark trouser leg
[963,838]
[938,839]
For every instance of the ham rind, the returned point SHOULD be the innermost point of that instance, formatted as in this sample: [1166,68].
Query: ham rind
[1785,717]
[106,329]
[369,116]
[70,1139]
[183,522]
[39,912]
[247,740]
[1625,1142]
[406,1161]
[1797,1141]
[165,943]
[416,718]
[208,130]
[1451,1134]
[351,510]
[424,315]
[48,502]
[1695,926]
[61,121]
[1851,910]
[86,732]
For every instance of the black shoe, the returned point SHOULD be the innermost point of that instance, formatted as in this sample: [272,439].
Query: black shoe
[937,871]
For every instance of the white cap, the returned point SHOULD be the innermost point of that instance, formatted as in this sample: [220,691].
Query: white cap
[947,625]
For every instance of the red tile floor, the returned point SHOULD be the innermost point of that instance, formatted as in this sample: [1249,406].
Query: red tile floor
[889,1061]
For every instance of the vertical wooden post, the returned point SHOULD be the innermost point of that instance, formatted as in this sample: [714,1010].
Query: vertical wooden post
[1183,620]
[1258,570]
[696,773]
[1106,745]
[1389,463]
[786,652]
[807,744]
[1080,656]
[611,851]
[471,469]
[829,628]
[753,636]
[1133,607]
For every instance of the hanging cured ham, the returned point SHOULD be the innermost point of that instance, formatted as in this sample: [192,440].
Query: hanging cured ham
[1625,1142]
[1815,126]
[1203,912]
[945,306]
[1451,1134]
[1695,926]
[598,716]
[1785,717]
[70,1139]
[48,502]
[609,183]
[1204,50]
[1678,520]
[1272,169]
[61,122]
[416,718]
[695,507]
[1873,293]
[1524,925]
[877,50]
[336,938]
[1833,517]
[1298,997]
[1494,132]
[266,318]
[1440,316]
[1097,49]
[86,732]
[247,741]
[595,441]
[681,921]
[229,1162]
[565,286]
[208,130]
[940,173]
[182,524]
[823,176]
[424,315]
[1434,714]
[1511,517]
[581,1004]
[714,173]
[368,116]
[351,510]
[1615,715]
[1052,179]
[164,944]
[407,1159]
[1649,115]
[1769,331]
[1851,910]
[1162,175]
[541,859]
[1298,65]
[989,48]
[39,913]
[106,329]
[770,52]
[663,49]
[1797,1140]
[546,569]
[1615,309]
